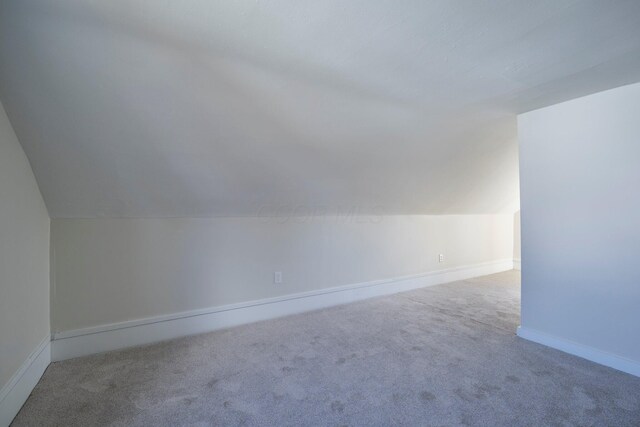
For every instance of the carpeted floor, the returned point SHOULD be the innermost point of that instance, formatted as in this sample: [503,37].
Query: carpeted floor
[445,355]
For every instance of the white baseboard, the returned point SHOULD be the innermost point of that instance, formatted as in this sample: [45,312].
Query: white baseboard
[81,342]
[517,264]
[593,354]
[15,392]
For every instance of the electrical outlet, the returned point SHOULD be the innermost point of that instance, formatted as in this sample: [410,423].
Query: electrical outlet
[277,277]
[441,258]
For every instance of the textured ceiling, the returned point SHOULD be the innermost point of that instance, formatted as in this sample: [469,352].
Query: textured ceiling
[207,108]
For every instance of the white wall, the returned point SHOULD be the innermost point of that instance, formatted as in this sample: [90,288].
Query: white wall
[580,199]
[516,239]
[24,257]
[113,270]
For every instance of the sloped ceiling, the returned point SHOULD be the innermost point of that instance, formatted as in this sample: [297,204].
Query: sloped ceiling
[209,108]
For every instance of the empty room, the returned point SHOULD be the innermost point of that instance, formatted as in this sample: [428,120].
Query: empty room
[320,213]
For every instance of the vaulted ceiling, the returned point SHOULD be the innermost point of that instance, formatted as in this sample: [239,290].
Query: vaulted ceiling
[206,108]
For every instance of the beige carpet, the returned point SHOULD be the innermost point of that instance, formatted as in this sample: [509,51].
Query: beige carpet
[445,355]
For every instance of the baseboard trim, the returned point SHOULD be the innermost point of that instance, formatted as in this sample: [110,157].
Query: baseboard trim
[82,342]
[517,264]
[593,354]
[16,391]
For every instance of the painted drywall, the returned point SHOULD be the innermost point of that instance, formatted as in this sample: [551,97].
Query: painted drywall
[226,108]
[24,257]
[516,236]
[581,221]
[114,270]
